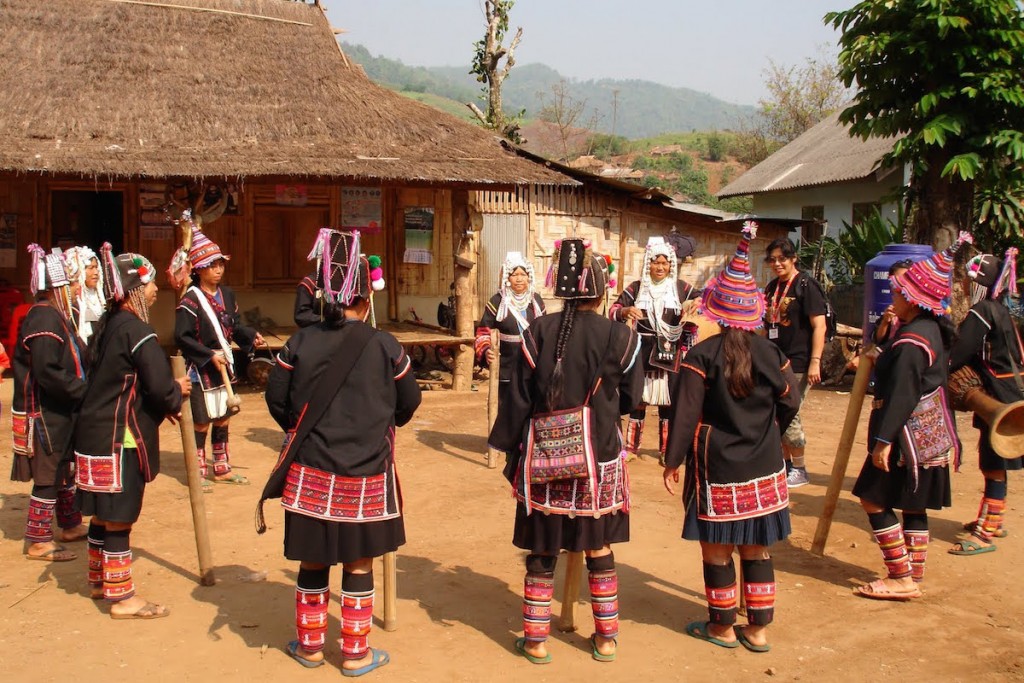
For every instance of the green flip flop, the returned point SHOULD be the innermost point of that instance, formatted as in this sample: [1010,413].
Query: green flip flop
[745,642]
[597,654]
[699,630]
[521,649]
[971,547]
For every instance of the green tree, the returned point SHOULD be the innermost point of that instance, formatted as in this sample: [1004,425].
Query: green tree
[947,77]
[492,62]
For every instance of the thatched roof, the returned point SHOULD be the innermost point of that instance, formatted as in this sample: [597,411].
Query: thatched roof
[125,88]
[824,154]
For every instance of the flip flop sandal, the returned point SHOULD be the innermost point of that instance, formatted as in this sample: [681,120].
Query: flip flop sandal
[971,547]
[379,658]
[969,527]
[236,479]
[742,637]
[597,654]
[877,590]
[150,610]
[521,649]
[293,652]
[58,554]
[699,630]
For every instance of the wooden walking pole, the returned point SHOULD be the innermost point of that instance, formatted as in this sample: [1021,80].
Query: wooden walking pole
[571,591]
[179,274]
[195,482]
[493,377]
[835,484]
[390,590]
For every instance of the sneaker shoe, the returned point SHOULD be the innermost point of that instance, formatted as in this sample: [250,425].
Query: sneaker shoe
[797,477]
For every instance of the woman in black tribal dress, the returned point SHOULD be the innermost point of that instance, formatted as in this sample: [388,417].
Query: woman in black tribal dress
[655,305]
[907,467]
[350,441]
[511,311]
[735,397]
[571,359]
[49,383]
[988,342]
[205,324]
[117,439]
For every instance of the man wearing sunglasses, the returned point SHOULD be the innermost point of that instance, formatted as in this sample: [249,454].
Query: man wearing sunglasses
[795,322]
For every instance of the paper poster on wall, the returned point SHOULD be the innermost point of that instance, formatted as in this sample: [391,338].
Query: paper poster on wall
[361,209]
[8,240]
[291,195]
[154,221]
[419,235]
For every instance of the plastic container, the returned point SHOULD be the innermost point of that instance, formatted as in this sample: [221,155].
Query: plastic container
[877,294]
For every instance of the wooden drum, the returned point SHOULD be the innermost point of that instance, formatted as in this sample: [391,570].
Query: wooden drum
[960,384]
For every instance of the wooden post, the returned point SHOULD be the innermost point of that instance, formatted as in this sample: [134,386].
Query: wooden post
[835,484]
[492,395]
[390,590]
[195,482]
[571,591]
[464,253]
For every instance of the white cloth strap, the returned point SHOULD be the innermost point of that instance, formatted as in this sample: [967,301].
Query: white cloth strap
[208,310]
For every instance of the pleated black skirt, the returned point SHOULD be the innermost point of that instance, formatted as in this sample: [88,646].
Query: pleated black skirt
[308,539]
[895,488]
[549,534]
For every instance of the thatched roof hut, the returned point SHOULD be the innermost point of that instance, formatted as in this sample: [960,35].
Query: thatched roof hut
[228,88]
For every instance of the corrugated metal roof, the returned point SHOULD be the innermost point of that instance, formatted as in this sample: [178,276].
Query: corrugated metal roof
[824,154]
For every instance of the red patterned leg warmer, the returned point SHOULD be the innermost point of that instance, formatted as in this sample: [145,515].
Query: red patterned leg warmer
[312,599]
[634,432]
[720,588]
[917,550]
[117,566]
[894,550]
[759,590]
[662,438]
[992,520]
[68,514]
[604,595]
[538,588]
[356,614]
[97,536]
[219,438]
[201,455]
[38,529]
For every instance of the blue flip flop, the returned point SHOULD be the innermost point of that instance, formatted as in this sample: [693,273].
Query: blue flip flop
[699,630]
[378,659]
[293,652]
[745,642]
[533,659]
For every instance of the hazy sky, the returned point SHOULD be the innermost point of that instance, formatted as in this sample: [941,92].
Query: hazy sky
[721,48]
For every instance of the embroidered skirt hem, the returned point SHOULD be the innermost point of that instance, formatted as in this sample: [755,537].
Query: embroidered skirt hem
[308,539]
[765,530]
[123,507]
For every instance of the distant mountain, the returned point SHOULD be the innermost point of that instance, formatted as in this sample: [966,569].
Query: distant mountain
[640,108]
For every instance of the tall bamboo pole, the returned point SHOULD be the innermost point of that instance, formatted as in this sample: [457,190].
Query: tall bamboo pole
[835,484]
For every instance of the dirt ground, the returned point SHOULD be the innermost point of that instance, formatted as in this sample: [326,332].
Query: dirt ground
[460,579]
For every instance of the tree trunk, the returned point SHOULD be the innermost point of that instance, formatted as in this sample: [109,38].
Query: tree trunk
[944,205]
[465,289]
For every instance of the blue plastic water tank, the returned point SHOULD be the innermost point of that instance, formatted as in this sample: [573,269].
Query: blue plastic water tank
[877,295]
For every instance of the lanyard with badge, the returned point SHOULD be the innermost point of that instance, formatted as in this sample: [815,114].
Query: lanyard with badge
[775,312]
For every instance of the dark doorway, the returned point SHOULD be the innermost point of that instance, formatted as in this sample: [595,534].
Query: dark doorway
[85,218]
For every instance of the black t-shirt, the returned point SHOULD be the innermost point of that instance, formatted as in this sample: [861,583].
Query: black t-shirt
[788,316]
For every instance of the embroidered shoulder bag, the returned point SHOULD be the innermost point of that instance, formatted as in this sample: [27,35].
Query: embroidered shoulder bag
[558,445]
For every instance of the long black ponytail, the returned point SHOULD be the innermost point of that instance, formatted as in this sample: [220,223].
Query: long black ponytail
[554,394]
[738,364]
